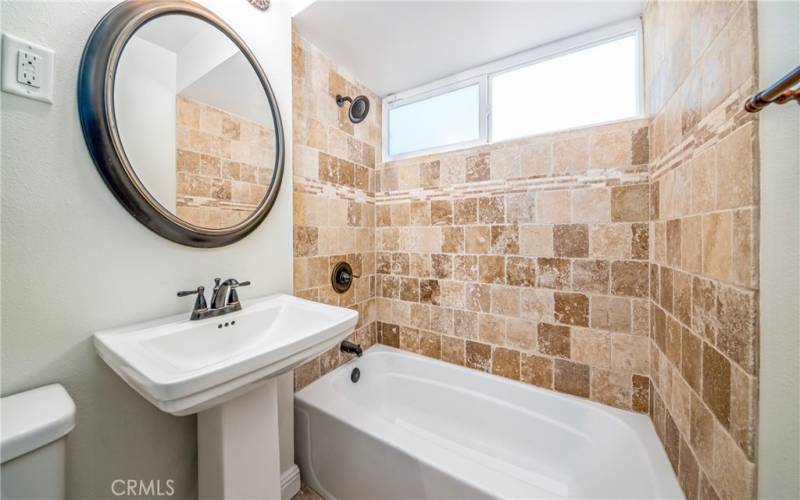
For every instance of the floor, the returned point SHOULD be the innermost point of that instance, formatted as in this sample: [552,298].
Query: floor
[306,493]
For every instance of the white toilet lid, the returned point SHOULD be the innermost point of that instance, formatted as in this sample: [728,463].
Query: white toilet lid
[35,418]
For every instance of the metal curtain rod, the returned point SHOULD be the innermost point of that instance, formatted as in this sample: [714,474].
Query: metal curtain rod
[780,92]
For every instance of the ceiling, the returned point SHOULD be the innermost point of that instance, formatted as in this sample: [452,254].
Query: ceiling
[210,68]
[171,32]
[234,87]
[392,46]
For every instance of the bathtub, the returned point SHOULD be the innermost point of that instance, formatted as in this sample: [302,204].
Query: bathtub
[416,428]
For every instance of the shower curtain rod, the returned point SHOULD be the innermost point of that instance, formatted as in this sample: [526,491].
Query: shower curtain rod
[780,92]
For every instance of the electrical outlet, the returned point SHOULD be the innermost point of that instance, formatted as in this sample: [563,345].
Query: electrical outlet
[27,69]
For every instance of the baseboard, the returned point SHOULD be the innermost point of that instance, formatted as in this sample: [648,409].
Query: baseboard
[290,482]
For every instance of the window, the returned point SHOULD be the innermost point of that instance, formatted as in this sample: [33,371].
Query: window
[445,119]
[593,85]
[589,79]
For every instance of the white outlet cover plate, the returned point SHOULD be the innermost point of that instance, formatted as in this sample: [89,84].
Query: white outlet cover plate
[11,47]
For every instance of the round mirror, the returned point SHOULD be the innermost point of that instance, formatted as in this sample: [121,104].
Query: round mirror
[181,121]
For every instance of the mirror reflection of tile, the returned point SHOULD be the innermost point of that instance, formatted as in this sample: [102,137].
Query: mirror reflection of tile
[224,165]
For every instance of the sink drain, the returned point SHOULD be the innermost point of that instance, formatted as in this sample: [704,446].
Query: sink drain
[355,375]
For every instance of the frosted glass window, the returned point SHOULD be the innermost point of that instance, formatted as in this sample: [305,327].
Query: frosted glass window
[441,120]
[593,85]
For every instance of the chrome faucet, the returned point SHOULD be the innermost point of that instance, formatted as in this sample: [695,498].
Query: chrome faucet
[224,299]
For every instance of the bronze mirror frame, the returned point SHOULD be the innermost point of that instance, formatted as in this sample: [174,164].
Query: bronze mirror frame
[96,110]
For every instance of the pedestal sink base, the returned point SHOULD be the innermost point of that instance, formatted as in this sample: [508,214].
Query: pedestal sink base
[238,447]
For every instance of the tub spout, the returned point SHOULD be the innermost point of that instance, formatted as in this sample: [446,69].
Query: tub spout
[351,347]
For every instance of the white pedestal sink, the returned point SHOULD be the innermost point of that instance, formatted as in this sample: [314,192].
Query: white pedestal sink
[224,370]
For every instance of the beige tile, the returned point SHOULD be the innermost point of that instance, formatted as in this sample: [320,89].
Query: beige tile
[452,239]
[735,162]
[611,388]
[505,300]
[704,180]
[744,400]
[554,207]
[536,159]
[630,203]
[520,271]
[478,297]
[521,334]
[477,168]
[553,273]
[737,334]
[610,148]
[420,213]
[465,211]
[611,313]
[570,155]
[536,240]
[591,205]
[590,275]
[591,347]
[429,174]
[492,329]
[477,239]
[441,212]
[733,475]
[610,241]
[491,269]
[630,353]
[453,350]
[505,162]
[465,324]
[743,261]
[717,245]
[692,244]
[521,207]
[640,145]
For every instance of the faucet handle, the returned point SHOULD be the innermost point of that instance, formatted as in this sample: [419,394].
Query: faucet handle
[234,297]
[185,293]
[200,303]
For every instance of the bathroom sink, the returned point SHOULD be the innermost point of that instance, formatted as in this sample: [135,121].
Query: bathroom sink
[185,367]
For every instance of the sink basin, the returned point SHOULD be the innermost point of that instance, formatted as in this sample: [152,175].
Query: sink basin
[185,367]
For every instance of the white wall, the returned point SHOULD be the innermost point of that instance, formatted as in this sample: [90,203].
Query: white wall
[144,102]
[74,261]
[779,129]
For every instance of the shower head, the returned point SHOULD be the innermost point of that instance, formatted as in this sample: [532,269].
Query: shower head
[359,107]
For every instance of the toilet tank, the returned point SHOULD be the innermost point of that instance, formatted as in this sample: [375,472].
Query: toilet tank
[33,427]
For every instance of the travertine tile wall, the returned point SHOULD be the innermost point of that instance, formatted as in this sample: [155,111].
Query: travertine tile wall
[224,164]
[700,66]
[334,195]
[527,259]
[617,263]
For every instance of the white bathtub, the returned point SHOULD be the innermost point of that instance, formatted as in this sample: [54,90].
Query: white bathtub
[414,428]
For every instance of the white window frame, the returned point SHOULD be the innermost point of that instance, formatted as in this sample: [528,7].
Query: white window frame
[439,87]
[483,76]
